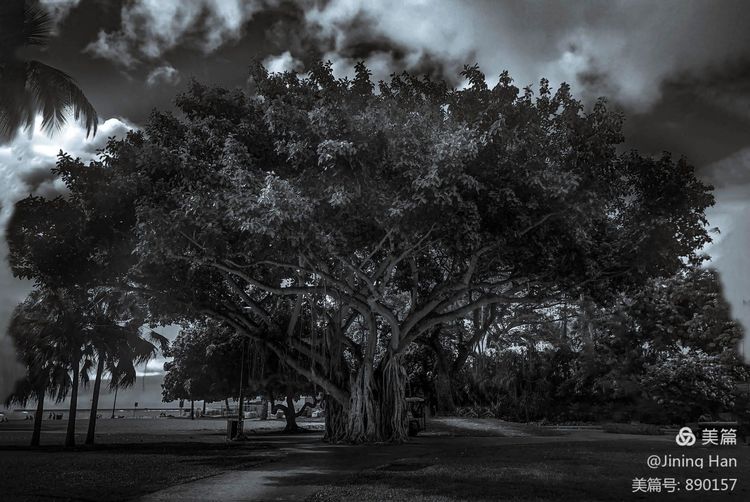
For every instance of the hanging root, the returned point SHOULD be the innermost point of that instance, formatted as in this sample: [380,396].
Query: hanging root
[393,401]
[336,422]
[376,410]
[362,420]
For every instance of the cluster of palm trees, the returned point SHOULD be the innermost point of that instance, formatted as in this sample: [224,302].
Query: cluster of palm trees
[62,337]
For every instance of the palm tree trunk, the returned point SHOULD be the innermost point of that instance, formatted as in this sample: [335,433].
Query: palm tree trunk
[240,408]
[38,416]
[95,401]
[70,437]
[114,403]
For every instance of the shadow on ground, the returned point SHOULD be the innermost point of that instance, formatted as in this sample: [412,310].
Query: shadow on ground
[555,471]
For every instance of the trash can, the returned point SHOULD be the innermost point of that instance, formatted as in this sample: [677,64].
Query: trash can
[232,426]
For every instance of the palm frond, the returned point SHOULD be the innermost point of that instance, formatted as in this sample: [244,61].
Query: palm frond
[55,93]
[86,368]
[37,25]
[17,108]
[160,340]
[125,373]
[60,383]
[22,392]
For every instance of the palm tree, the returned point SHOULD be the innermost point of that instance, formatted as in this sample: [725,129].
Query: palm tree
[57,320]
[119,349]
[59,314]
[38,345]
[29,87]
[113,326]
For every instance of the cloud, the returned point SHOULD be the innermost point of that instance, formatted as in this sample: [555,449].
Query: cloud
[165,74]
[149,28]
[112,47]
[282,63]
[59,9]
[730,172]
[24,162]
[729,251]
[24,169]
[624,49]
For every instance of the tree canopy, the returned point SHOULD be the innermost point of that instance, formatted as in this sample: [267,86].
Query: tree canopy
[335,224]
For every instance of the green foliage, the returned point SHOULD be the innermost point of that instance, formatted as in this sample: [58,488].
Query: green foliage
[668,354]
[206,363]
[38,331]
[335,225]
[207,360]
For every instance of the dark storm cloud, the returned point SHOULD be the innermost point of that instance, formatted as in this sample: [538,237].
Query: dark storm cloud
[626,50]
[150,28]
[654,59]
[59,9]
[679,69]
[34,178]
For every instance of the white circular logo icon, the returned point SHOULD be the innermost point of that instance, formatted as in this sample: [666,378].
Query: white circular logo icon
[685,437]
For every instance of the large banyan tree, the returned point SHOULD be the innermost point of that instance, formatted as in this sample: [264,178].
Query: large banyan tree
[334,224]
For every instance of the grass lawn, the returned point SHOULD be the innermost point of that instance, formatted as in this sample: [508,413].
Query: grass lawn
[139,457]
[131,458]
[116,471]
[556,471]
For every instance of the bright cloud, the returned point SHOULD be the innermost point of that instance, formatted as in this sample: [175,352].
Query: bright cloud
[165,74]
[281,63]
[729,251]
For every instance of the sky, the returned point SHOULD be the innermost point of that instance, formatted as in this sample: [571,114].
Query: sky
[678,69]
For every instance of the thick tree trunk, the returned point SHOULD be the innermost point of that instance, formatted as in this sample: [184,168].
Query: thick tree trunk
[192,409]
[336,421]
[264,408]
[95,401]
[376,410]
[290,415]
[70,436]
[444,390]
[36,435]
[241,406]
[392,400]
[363,417]
[204,408]
[443,378]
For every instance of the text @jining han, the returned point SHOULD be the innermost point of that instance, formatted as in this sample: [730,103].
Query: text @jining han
[696,462]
